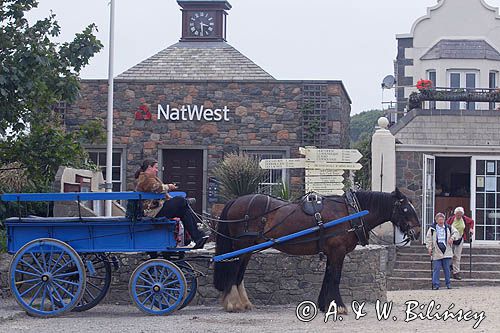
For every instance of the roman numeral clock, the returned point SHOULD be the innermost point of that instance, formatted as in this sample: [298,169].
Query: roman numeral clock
[204,20]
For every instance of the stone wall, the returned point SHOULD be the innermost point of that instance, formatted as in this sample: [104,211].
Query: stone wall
[272,277]
[409,177]
[262,115]
[449,128]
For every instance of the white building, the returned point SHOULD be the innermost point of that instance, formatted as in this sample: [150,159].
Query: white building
[447,153]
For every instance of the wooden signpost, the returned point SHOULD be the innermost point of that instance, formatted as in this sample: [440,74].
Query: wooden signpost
[324,168]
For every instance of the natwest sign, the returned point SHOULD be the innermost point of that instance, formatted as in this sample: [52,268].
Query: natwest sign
[192,112]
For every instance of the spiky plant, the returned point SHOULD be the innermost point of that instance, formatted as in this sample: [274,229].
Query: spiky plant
[239,175]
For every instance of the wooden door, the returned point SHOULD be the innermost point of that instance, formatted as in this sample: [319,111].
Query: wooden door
[184,167]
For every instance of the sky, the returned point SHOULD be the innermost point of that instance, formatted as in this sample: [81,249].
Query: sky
[353,41]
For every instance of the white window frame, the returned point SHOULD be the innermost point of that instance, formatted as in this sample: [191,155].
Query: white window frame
[121,180]
[473,195]
[463,81]
[256,151]
[431,104]
[492,106]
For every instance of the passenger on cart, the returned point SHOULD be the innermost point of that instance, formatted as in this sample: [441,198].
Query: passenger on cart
[148,181]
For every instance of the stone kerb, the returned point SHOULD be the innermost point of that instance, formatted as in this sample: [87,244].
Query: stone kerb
[272,277]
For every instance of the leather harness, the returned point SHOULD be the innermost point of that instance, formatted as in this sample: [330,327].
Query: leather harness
[357,224]
[312,205]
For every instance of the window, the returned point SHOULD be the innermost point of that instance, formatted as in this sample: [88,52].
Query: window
[463,79]
[493,85]
[99,159]
[431,75]
[470,83]
[275,177]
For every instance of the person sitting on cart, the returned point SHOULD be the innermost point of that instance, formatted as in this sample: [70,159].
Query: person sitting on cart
[148,181]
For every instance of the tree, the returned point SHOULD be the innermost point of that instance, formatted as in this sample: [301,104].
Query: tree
[35,72]
[361,130]
[363,124]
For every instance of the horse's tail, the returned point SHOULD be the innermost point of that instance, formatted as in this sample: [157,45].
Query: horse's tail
[224,272]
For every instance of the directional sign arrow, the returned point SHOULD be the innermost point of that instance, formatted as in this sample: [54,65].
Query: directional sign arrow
[331,155]
[330,192]
[330,165]
[326,186]
[324,172]
[286,163]
[324,179]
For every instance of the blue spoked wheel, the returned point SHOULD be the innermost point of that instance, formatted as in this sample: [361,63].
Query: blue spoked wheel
[157,287]
[47,277]
[191,280]
[98,271]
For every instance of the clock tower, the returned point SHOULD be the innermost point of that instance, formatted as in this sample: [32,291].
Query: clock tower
[204,20]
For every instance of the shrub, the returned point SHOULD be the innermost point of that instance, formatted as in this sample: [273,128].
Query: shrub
[239,175]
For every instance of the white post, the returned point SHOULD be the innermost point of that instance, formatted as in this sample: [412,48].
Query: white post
[383,168]
[109,142]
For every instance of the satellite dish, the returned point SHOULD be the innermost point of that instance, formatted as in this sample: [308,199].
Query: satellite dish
[388,82]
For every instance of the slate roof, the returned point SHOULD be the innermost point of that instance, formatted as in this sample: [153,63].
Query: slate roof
[461,49]
[193,61]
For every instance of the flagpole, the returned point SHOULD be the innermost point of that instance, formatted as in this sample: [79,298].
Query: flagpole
[109,126]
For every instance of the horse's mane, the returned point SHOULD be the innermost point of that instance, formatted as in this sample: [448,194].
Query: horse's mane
[376,201]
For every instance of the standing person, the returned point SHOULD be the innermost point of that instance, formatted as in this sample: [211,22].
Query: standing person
[465,226]
[148,181]
[439,239]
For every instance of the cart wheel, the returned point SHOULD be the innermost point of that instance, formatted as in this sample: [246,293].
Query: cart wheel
[47,277]
[191,279]
[157,287]
[98,269]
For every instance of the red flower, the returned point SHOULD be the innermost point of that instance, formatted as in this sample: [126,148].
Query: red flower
[424,84]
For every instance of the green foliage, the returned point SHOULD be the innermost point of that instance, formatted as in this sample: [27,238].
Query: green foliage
[92,132]
[361,130]
[36,73]
[41,151]
[282,191]
[362,178]
[239,175]
[363,124]
[311,126]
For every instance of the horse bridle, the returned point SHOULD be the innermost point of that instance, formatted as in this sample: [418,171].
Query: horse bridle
[408,231]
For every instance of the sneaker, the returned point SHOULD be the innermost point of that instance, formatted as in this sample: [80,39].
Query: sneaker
[457,276]
[200,243]
[448,287]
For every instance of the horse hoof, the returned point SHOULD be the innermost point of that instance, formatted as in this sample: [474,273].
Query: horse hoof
[342,310]
[234,307]
[248,306]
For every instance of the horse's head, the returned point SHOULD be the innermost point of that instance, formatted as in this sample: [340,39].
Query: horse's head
[404,215]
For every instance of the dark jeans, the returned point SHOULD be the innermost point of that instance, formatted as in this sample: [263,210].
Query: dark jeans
[436,269]
[178,207]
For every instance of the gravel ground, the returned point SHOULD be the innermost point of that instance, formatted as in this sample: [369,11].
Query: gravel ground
[484,301]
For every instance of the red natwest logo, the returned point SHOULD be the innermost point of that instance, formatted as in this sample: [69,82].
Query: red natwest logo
[143,113]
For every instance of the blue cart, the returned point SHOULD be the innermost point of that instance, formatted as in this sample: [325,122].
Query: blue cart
[60,263]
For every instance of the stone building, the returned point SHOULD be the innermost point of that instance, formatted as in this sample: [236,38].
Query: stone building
[447,147]
[199,99]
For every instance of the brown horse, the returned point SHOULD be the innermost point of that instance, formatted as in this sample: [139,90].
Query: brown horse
[253,219]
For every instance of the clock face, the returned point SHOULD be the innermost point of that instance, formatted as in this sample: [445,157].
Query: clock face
[201,24]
